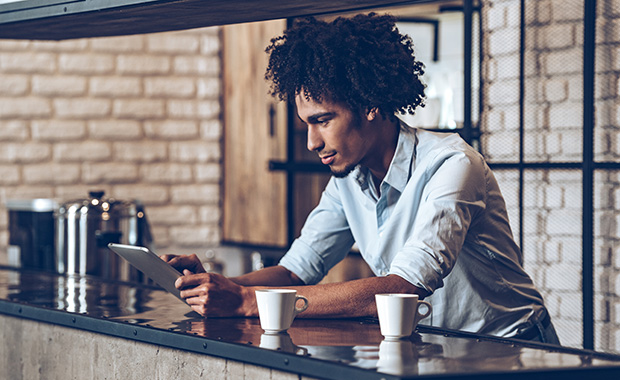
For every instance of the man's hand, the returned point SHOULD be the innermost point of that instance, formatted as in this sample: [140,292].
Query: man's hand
[214,295]
[183,262]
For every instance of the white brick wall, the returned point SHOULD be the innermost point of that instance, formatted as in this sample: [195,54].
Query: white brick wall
[553,132]
[178,129]
[137,116]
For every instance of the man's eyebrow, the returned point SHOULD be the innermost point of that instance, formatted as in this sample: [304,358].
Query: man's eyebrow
[315,118]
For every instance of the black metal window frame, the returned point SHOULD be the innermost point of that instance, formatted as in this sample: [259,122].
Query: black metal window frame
[471,133]
[587,166]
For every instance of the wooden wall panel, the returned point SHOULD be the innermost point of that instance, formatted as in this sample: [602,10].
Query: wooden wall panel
[254,133]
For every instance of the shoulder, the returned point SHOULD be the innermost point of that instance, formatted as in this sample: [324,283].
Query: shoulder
[440,146]
[446,158]
[432,141]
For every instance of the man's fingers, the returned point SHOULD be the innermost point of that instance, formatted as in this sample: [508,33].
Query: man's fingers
[173,260]
[191,262]
[198,305]
[193,293]
[190,279]
[180,262]
[195,265]
[167,258]
[196,300]
[210,294]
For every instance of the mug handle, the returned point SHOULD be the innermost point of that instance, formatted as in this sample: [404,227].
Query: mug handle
[304,307]
[421,316]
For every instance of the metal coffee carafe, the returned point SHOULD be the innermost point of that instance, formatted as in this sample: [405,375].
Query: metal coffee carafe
[83,229]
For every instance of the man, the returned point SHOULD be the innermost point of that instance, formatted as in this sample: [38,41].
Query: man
[423,208]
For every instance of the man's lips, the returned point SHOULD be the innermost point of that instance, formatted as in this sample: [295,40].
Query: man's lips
[328,158]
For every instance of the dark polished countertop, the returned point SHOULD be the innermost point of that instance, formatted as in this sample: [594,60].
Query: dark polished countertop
[336,349]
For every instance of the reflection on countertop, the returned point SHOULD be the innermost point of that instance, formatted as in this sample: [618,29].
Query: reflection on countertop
[353,343]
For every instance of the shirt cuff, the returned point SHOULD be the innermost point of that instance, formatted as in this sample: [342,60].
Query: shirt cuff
[420,272]
[304,262]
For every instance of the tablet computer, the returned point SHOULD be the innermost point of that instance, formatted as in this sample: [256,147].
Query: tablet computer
[151,265]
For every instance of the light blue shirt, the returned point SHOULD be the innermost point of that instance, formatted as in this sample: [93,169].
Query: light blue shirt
[439,221]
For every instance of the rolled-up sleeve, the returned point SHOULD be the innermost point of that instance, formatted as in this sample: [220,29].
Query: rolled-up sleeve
[453,194]
[324,241]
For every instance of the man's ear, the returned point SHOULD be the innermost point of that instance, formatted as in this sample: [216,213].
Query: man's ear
[372,114]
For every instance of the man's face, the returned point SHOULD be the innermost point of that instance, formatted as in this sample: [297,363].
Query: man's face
[341,138]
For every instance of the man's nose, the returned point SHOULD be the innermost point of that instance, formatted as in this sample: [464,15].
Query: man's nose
[315,142]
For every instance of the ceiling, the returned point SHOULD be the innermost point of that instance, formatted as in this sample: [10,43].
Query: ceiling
[69,19]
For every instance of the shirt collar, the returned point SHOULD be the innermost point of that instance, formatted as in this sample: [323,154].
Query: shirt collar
[399,170]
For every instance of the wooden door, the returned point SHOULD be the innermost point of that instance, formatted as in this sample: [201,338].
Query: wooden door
[254,133]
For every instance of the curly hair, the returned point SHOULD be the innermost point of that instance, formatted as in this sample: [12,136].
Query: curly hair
[362,61]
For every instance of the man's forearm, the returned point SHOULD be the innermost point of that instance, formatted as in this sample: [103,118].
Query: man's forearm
[351,298]
[338,300]
[270,276]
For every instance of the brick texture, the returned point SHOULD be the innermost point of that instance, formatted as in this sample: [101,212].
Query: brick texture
[115,129]
[136,116]
[86,63]
[115,86]
[28,62]
[141,151]
[58,130]
[24,107]
[13,130]
[14,84]
[553,111]
[60,85]
[171,129]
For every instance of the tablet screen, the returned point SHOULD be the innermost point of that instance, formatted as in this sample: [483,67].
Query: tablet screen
[150,264]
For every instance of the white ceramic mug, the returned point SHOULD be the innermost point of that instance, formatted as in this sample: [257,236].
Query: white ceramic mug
[277,308]
[398,314]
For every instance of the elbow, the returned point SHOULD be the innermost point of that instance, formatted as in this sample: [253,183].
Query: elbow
[400,285]
[291,278]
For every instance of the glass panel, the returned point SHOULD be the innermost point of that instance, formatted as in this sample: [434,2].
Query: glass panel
[552,240]
[476,94]
[552,246]
[508,181]
[500,81]
[607,261]
[607,120]
[553,81]
[553,105]
[443,73]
